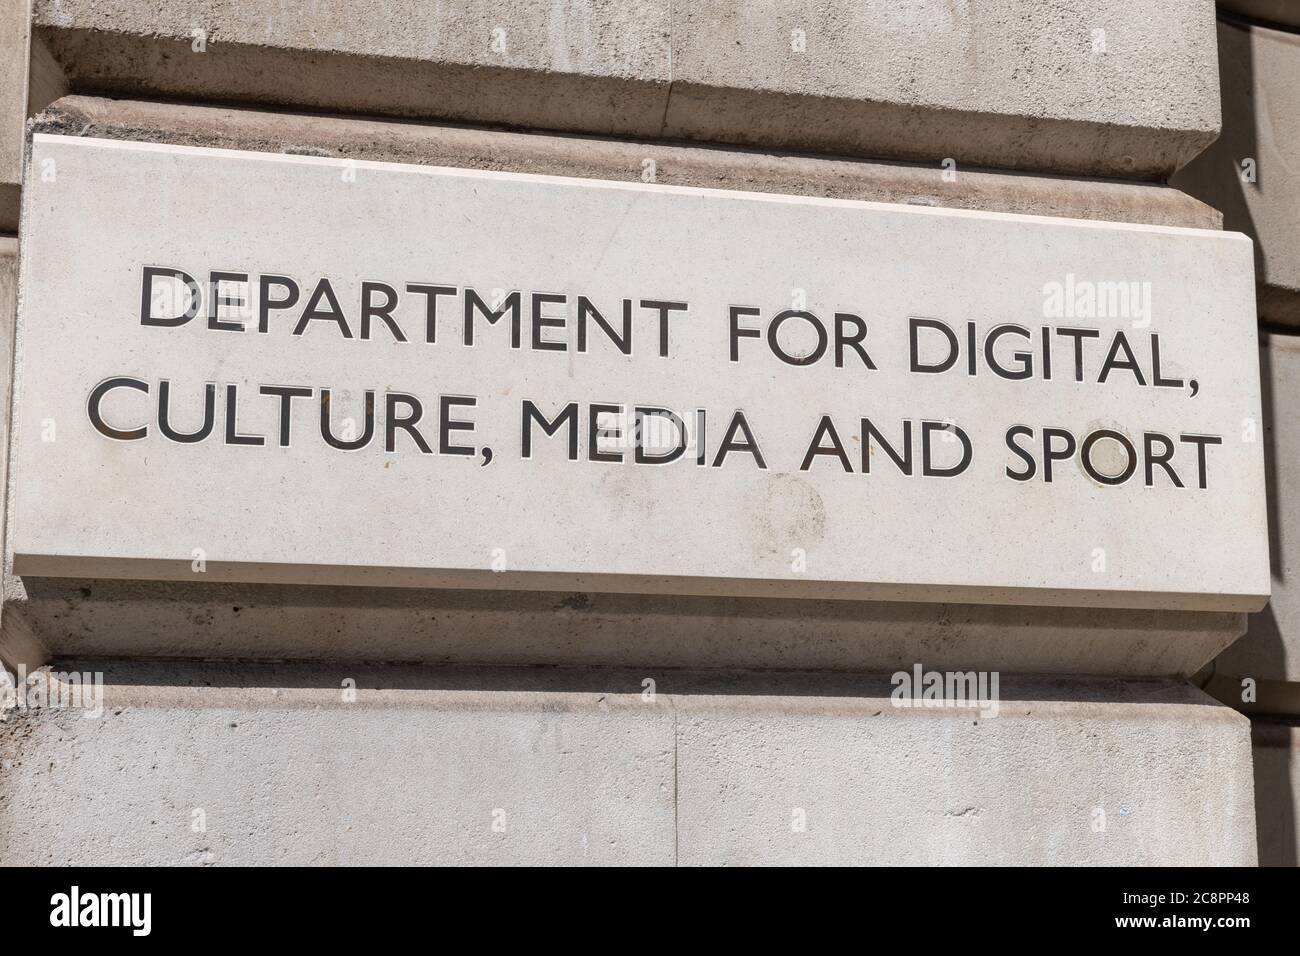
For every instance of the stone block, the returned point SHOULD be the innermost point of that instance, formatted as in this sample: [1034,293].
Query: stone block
[199,764]
[598,67]
[1116,88]
[1129,777]
[1113,88]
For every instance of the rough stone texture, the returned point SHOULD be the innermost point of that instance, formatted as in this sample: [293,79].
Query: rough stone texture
[576,64]
[1270,651]
[1028,85]
[1024,787]
[225,621]
[1003,83]
[593,158]
[1277,789]
[1260,79]
[712,770]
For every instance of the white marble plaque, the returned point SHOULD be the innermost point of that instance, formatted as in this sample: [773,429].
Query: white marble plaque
[255,367]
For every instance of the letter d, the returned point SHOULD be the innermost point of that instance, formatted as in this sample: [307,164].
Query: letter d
[915,324]
[194,294]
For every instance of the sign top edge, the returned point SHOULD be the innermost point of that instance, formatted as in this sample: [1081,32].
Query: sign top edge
[617,185]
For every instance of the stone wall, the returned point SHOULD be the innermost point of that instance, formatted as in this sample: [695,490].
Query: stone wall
[265,723]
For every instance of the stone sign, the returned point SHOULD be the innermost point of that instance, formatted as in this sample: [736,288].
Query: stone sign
[271,368]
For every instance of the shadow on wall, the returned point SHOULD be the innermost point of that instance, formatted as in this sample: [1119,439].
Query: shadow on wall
[1275,824]
[1223,173]
[1218,171]
[1274,816]
[139,683]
